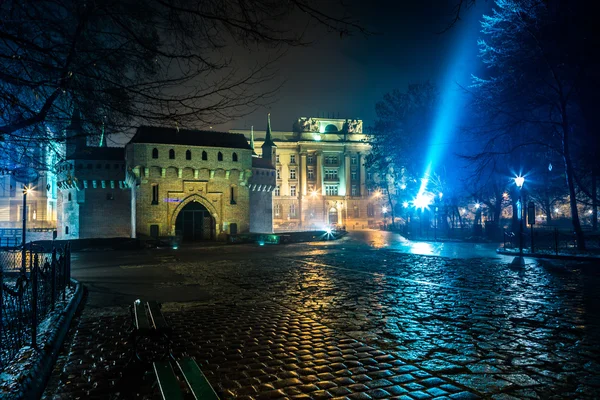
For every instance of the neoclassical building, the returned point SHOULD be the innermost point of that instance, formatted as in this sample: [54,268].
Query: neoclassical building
[197,185]
[321,175]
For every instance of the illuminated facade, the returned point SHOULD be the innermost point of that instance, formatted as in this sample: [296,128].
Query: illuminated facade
[321,176]
[41,208]
[197,185]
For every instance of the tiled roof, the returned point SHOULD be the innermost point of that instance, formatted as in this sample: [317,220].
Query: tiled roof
[99,153]
[163,135]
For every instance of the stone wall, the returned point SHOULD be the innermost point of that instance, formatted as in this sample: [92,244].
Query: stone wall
[106,213]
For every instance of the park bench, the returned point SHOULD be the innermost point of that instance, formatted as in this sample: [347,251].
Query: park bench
[170,387]
[149,324]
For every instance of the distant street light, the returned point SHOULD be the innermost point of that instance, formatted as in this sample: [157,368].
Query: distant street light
[405,204]
[520,181]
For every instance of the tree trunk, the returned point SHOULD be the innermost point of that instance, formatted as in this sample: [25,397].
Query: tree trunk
[570,181]
[594,201]
[391,204]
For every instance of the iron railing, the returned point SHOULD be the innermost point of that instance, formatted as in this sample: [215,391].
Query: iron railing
[28,296]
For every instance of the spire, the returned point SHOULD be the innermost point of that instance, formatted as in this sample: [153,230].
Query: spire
[102,137]
[268,139]
[269,149]
[252,139]
[75,120]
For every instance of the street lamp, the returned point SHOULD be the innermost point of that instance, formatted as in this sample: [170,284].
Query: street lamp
[27,189]
[518,261]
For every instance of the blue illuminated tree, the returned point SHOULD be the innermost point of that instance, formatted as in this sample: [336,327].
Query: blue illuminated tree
[404,119]
[533,88]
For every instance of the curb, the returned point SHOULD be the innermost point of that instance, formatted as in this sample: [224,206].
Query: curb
[35,384]
[550,256]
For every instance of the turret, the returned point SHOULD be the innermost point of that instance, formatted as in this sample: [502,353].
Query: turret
[269,149]
[75,136]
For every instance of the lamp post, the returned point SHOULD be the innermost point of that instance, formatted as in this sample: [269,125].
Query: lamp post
[518,261]
[384,210]
[26,190]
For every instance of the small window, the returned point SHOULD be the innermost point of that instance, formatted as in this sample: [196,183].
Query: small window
[188,155]
[69,196]
[204,156]
[110,196]
[155,194]
[293,173]
[171,154]
[233,195]
[353,160]
[278,173]
[292,190]
[292,159]
[277,157]
[292,210]
[220,156]
[278,191]
[155,153]
[66,230]
[234,157]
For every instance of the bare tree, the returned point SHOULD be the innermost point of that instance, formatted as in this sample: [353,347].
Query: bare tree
[531,84]
[122,63]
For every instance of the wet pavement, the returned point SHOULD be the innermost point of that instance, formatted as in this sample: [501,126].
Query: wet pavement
[355,318]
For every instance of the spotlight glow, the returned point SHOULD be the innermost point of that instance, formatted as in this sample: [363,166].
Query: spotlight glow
[519,181]
[423,200]
[405,204]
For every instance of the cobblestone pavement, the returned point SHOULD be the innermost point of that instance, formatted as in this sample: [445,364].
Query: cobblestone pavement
[323,321]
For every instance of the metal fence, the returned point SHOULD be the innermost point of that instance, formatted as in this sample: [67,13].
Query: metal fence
[549,240]
[29,295]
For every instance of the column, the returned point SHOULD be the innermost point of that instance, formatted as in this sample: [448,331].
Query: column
[362,174]
[319,183]
[302,189]
[347,174]
[302,172]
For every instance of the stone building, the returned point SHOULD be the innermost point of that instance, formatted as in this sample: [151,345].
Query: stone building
[94,199]
[197,185]
[321,175]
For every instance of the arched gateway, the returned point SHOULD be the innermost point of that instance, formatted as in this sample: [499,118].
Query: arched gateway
[194,222]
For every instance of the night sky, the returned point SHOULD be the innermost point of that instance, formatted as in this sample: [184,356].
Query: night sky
[349,75]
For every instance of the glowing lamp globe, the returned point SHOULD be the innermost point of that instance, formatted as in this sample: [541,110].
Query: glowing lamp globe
[519,181]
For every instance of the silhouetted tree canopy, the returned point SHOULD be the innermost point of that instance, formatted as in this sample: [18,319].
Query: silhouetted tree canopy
[126,62]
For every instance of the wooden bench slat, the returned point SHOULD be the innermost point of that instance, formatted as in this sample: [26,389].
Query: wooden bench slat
[167,381]
[196,380]
[141,320]
[157,317]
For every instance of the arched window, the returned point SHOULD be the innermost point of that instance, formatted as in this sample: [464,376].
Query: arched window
[220,156]
[69,196]
[204,156]
[234,157]
[188,155]
[171,154]
[155,153]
